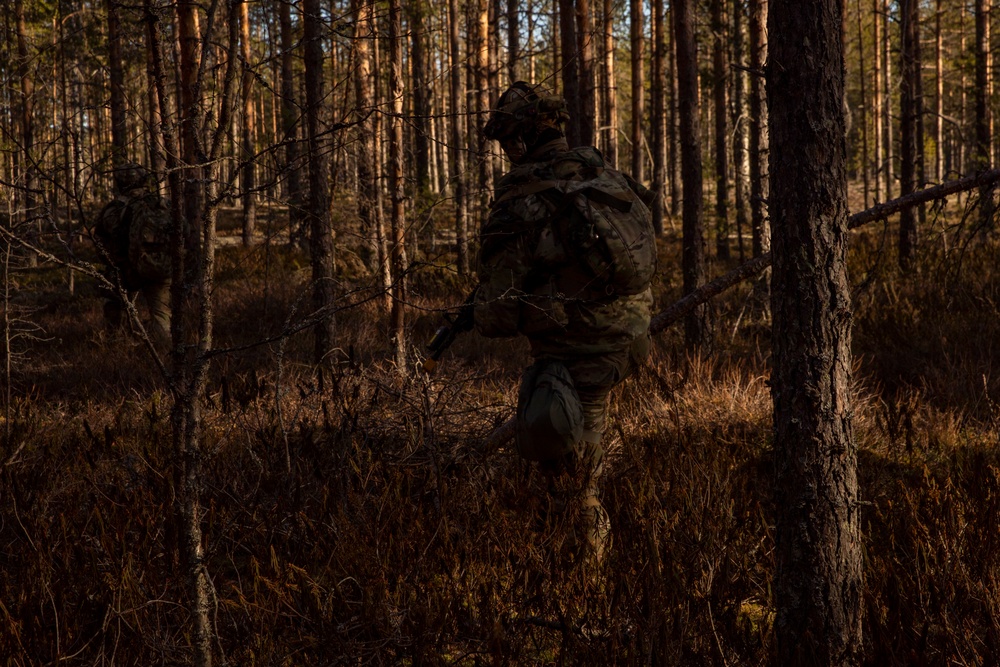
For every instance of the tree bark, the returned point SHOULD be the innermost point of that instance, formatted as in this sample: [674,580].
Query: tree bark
[720,67]
[572,83]
[421,95]
[739,121]
[609,91]
[983,115]
[320,227]
[119,131]
[693,250]
[909,113]
[513,40]
[28,167]
[192,152]
[457,141]
[658,127]
[638,88]
[289,127]
[396,192]
[247,126]
[759,141]
[817,539]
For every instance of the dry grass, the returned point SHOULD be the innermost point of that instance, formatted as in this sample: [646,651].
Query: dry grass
[350,520]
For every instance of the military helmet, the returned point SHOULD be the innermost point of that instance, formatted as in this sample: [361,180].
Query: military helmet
[523,111]
[130,176]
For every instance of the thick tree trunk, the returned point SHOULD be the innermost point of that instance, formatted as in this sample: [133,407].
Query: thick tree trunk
[818,548]
[585,55]
[693,250]
[513,40]
[320,227]
[367,160]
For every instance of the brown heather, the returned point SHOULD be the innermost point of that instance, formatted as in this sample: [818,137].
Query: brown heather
[392,539]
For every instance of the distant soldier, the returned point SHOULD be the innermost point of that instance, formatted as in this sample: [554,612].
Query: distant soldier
[566,259]
[133,235]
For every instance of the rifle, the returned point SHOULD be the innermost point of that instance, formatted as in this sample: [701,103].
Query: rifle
[445,335]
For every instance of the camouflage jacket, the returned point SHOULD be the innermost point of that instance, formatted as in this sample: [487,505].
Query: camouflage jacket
[528,287]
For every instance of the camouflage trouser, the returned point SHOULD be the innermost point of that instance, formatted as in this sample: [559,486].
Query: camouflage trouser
[157,298]
[572,480]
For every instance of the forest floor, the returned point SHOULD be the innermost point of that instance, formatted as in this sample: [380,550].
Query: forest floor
[352,518]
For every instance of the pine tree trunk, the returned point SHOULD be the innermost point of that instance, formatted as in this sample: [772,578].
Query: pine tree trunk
[571,75]
[609,91]
[289,127]
[396,184]
[28,169]
[759,141]
[456,156]
[983,115]
[513,40]
[720,75]
[693,250]
[320,228]
[189,39]
[421,96]
[247,126]
[658,124]
[638,88]
[739,121]
[878,102]
[585,55]
[818,579]
[909,119]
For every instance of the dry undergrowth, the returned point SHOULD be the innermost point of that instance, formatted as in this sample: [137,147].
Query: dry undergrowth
[350,519]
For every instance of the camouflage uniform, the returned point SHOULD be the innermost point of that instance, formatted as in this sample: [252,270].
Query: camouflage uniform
[132,232]
[528,288]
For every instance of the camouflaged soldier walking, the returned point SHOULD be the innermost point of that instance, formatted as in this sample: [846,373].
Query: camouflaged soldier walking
[133,234]
[566,258]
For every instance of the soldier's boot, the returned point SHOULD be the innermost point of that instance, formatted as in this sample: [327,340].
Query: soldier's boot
[574,511]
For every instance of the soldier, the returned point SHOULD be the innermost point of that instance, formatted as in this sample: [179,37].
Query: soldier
[541,276]
[133,233]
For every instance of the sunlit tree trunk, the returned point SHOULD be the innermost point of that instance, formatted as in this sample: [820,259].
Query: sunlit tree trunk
[28,168]
[609,91]
[887,139]
[720,68]
[983,115]
[862,81]
[818,578]
[189,39]
[759,142]
[658,128]
[693,249]
[396,183]
[739,122]
[247,126]
[879,100]
[572,82]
